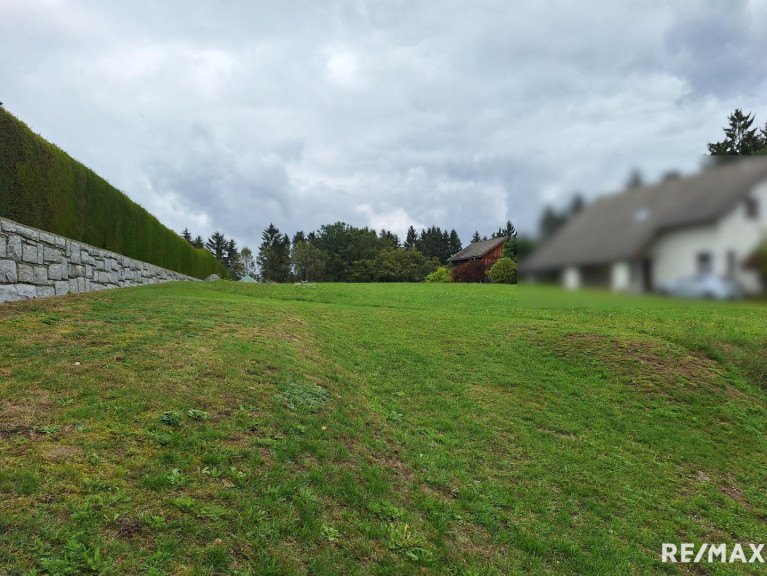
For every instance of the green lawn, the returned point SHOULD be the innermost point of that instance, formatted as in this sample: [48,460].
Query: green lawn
[377,429]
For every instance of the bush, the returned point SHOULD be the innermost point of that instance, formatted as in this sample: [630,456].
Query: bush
[504,271]
[440,275]
[472,271]
[43,187]
[394,265]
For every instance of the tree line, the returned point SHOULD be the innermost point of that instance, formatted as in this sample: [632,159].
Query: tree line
[341,252]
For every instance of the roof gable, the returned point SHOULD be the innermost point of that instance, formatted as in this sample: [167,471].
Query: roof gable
[477,249]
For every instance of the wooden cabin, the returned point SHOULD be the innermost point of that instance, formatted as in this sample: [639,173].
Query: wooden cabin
[489,251]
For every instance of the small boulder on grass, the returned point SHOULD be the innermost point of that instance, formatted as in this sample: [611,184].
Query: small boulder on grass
[213,278]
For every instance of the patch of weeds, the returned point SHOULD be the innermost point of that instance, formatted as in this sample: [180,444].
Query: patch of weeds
[308,396]
[161,437]
[172,480]
[199,509]
[395,416]
[52,429]
[385,510]
[295,429]
[197,414]
[171,418]
[77,558]
[155,522]
[402,539]
[79,426]
[94,459]
[330,533]
[64,402]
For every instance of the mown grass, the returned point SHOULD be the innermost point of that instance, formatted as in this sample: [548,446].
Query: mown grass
[376,429]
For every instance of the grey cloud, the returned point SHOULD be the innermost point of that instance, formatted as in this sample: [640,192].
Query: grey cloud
[231,115]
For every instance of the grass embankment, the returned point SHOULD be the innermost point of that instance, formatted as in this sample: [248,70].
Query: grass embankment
[42,186]
[376,429]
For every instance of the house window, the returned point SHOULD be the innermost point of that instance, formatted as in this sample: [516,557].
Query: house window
[704,263]
[752,209]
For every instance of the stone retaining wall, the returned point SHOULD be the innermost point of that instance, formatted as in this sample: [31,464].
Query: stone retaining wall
[36,264]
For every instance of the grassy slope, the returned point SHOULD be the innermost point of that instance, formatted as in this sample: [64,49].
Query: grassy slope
[455,427]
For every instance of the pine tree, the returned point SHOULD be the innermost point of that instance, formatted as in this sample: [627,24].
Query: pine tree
[455,243]
[198,242]
[476,237]
[186,235]
[387,239]
[410,239]
[216,245]
[740,139]
[232,261]
[274,255]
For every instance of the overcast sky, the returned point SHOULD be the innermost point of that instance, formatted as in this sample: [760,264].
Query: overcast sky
[227,115]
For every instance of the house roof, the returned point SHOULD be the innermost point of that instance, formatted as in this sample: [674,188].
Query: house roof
[621,226]
[477,249]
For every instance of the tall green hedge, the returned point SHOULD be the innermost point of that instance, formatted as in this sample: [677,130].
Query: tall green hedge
[42,186]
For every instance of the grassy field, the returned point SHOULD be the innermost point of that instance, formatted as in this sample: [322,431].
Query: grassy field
[377,429]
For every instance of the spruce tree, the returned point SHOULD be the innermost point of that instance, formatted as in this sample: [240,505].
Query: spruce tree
[455,243]
[740,139]
[476,237]
[216,244]
[411,238]
[274,255]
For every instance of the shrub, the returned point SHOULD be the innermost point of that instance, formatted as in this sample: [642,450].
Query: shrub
[440,275]
[472,271]
[504,271]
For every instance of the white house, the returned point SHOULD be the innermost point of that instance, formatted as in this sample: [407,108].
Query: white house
[646,237]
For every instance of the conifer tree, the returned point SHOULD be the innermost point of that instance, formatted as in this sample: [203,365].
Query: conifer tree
[411,238]
[740,139]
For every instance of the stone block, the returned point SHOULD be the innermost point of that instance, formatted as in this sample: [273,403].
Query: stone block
[73,286]
[88,271]
[3,244]
[81,284]
[45,291]
[13,250]
[56,272]
[8,272]
[13,292]
[31,253]
[29,233]
[51,255]
[41,276]
[48,238]
[75,254]
[26,274]
[8,226]
[61,242]
[62,287]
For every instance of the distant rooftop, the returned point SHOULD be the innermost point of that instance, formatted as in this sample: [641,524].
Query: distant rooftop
[621,226]
[477,249]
